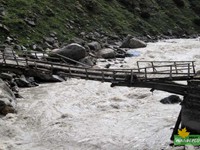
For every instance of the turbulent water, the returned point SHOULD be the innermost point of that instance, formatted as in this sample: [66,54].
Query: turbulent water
[89,115]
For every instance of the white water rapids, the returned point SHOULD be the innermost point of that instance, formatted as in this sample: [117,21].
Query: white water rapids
[89,115]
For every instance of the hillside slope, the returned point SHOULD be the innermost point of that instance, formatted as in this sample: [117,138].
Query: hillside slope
[31,20]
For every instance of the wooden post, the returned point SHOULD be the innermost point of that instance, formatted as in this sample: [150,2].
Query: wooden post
[175,67]
[86,73]
[131,75]
[36,55]
[170,71]
[4,60]
[189,70]
[145,74]
[114,76]
[102,75]
[153,67]
[51,68]
[15,58]
[35,64]
[26,61]
[193,67]
[138,66]
[70,73]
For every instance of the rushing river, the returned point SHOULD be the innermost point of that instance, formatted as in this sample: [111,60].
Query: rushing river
[89,115]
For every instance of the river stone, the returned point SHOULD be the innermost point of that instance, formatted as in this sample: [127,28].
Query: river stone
[73,51]
[94,45]
[172,99]
[22,82]
[6,76]
[7,99]
[90,61]
[106,53]
[131,42]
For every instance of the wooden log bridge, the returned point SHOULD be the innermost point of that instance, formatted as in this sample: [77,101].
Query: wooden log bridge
[144,75]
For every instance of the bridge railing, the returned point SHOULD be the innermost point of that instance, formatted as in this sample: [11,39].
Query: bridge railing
[147,70]
[166,69]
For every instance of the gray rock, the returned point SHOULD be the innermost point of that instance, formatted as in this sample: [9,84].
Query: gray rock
[17,47]
[30,21]
[22,82]
[94,45]
[53,34]
[172,99]
[49,40]
[90,61]
[6,76]
[7,99]
[73,51]
[106,53]
[131,42]
[8,40]
[4,28]
[78,41]
[57,78]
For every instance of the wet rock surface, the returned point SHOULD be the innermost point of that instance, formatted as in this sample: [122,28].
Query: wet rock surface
[172,99]
[7,99]
[73,51]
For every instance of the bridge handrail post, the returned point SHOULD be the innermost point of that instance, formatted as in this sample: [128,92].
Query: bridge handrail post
[35,55]
[51,68]
[15,58]
[103,79]
[170,72]
[131,75]
[35,64]
[188,70]
[193,67]
[26,61]
[70,73]
[4,60]
[114,76]
[138,66]
[145,70]
[153,67]
[86,73]
[175,67]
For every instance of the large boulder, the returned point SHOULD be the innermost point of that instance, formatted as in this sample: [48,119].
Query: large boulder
[131,42]
[106,53]
[7,99]
[73,51]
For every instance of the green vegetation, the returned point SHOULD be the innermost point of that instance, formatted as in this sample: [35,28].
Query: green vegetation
[68,18]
